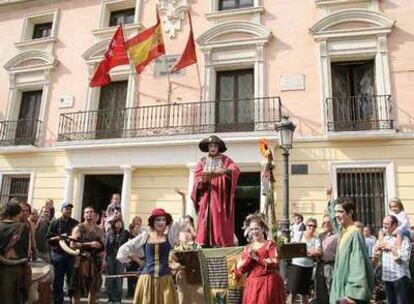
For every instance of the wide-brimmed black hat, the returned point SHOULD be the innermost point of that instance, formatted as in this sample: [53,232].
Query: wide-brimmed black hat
[203,145]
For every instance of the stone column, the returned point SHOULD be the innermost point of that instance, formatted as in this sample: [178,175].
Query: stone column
[383,81]
[209,108]
[259,84]
[126,193]
[69,185]
[325,67]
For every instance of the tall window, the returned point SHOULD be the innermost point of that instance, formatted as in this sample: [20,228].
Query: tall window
[111,110]
[353,78]
[14,185]
[354,103]
[24,131]
[233,4]
[366,187]
[42,30]
[235,104]
[125,16]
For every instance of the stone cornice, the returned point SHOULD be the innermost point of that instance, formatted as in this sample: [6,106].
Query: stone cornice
[48,61]
[380,24]
[258,33]
[8,2]
[14,4]
[335,2]
[235,12]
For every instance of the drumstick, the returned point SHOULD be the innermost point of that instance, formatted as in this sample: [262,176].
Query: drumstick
[123,275]
[71,239]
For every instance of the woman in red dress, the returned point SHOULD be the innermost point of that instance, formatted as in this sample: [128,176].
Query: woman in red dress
[259,260]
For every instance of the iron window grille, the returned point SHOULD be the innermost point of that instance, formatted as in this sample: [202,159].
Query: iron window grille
[367,188]
[14,185]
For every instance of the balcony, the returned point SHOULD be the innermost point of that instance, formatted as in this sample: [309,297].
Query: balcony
[20,132]
[248,115]
[359,113]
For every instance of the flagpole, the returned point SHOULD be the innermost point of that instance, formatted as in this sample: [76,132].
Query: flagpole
[199,81]
[134,117]
[169,80]
[189,56]
[195,51]
[169,91]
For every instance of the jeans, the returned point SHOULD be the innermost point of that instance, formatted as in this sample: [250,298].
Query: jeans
[323,281]
[114,285]
[62,265]
[397,291]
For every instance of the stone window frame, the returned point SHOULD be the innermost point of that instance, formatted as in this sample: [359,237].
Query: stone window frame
[107,6]
[29,70]
[215,15]
[388,165]
[30,172]
[214,6]
[30,20]
[219,55]
[353,44]
[93,56]
[373,4]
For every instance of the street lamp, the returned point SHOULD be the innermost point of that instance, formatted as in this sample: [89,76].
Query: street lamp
[285,128]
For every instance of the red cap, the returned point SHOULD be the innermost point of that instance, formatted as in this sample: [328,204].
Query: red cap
[157,213]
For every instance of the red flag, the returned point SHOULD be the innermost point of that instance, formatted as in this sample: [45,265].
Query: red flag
[189,56]
[115,55]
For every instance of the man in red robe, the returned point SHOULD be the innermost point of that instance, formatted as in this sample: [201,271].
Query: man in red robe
[215,182]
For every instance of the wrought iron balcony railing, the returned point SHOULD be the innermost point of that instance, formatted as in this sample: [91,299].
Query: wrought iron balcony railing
[20,132]
[357,113]
[256,114]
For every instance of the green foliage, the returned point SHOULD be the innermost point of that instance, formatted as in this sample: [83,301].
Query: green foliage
[220,298]
[277,236]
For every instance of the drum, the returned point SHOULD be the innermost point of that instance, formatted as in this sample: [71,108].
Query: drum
[189,259]
[291,250]
[42,280]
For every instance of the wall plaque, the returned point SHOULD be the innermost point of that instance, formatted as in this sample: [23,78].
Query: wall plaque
[292,82]
[163,65]
[299,169]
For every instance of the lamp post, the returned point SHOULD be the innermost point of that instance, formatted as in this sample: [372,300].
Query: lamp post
[285,129]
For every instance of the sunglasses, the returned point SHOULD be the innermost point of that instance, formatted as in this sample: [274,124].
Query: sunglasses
[310,225]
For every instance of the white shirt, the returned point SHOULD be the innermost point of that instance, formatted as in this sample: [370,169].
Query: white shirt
[297,231]
[396,268]
[370,242]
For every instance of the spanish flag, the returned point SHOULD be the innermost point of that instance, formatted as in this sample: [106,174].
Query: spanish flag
[146,46]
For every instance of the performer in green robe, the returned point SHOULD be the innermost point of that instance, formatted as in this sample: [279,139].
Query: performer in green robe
[353,279]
